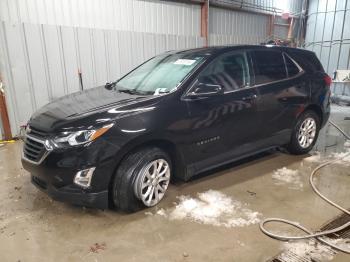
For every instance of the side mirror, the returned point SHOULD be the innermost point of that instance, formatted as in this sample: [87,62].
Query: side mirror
[206,90]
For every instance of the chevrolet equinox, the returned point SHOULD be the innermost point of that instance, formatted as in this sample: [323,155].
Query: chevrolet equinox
[175,116]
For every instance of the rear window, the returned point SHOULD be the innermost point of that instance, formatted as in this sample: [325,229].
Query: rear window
[292,68]
[269,66]
[307,60]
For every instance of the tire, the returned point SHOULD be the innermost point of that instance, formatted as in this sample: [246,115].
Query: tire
[298,145]
[134,172]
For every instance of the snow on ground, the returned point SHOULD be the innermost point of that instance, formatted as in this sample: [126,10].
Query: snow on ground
[285,176]
[341,242]
[344,157]
[315,158]
[161,212]
[339,109]
[212,208]
[347,144]
[310,249]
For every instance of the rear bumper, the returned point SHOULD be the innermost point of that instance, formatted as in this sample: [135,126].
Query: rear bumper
[325,118]
[72,195]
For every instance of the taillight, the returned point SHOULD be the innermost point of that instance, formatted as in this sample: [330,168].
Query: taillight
[327,80]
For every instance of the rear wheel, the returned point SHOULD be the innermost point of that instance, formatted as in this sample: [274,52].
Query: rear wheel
[141,179]
[305,133]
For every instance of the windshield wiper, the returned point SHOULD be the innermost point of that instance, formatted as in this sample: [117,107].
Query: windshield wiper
[164,92]
[130,91]
[127,91]
[138,92]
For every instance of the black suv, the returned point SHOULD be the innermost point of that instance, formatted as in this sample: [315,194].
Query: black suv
[174,116]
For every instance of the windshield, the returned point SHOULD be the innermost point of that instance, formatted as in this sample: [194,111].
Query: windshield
[161,74]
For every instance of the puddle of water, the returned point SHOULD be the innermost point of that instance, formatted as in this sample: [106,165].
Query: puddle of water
[285,176]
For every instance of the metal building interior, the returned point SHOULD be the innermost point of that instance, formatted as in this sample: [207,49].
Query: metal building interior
[52,48]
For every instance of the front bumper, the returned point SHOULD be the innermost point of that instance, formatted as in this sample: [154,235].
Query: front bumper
[55,174]
[73,195]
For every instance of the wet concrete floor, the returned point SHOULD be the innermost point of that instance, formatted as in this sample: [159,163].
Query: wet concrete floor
[35,228]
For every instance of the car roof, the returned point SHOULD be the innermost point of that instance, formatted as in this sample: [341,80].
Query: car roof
[216,50]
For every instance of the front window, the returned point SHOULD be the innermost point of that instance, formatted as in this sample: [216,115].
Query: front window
[162,74]
[230,71]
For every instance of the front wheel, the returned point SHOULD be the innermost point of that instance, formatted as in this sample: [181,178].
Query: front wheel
[305,133]
[141,179]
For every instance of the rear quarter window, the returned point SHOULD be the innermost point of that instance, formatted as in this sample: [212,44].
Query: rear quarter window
[307,60]
[292,68]
[268,66]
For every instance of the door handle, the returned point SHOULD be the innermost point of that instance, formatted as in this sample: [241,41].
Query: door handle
[283,99]
[248,98]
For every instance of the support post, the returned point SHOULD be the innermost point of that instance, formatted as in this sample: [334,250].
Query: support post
[204,21]
[4,115]
[290,29]
[270,27]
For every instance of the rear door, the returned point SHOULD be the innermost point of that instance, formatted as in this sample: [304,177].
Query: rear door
[282,93]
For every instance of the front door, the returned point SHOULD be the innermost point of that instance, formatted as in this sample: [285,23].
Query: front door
[224,125]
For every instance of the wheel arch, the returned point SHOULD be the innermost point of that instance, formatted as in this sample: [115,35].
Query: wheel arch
[317,109]
[177,161]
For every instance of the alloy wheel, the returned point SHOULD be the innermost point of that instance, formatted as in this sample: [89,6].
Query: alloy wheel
[307,132]
[152,182]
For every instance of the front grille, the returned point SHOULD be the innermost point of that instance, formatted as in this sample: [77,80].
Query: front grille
[34,149]
[36,132]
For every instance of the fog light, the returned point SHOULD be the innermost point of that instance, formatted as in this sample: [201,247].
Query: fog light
[83,177]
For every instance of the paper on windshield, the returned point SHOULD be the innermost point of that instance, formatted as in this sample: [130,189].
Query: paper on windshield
[184,62]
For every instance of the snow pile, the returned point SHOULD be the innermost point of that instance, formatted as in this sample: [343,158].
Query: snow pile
[340,242]
[214,208]
[285,176]
[347,144]
[344,157]
[161,212]
[309,249]
[315,158]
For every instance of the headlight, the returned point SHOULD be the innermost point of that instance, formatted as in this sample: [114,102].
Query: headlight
[80,137]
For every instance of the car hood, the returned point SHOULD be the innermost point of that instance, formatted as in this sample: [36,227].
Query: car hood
[86,107]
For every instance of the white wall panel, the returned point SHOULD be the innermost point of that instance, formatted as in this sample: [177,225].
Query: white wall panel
[85,57]
[36,63]
[23,96]
[267,6]
[39,63]
[70,55]
[328,35]
[163,17]
[113,58]
[54,59]
[235,27]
